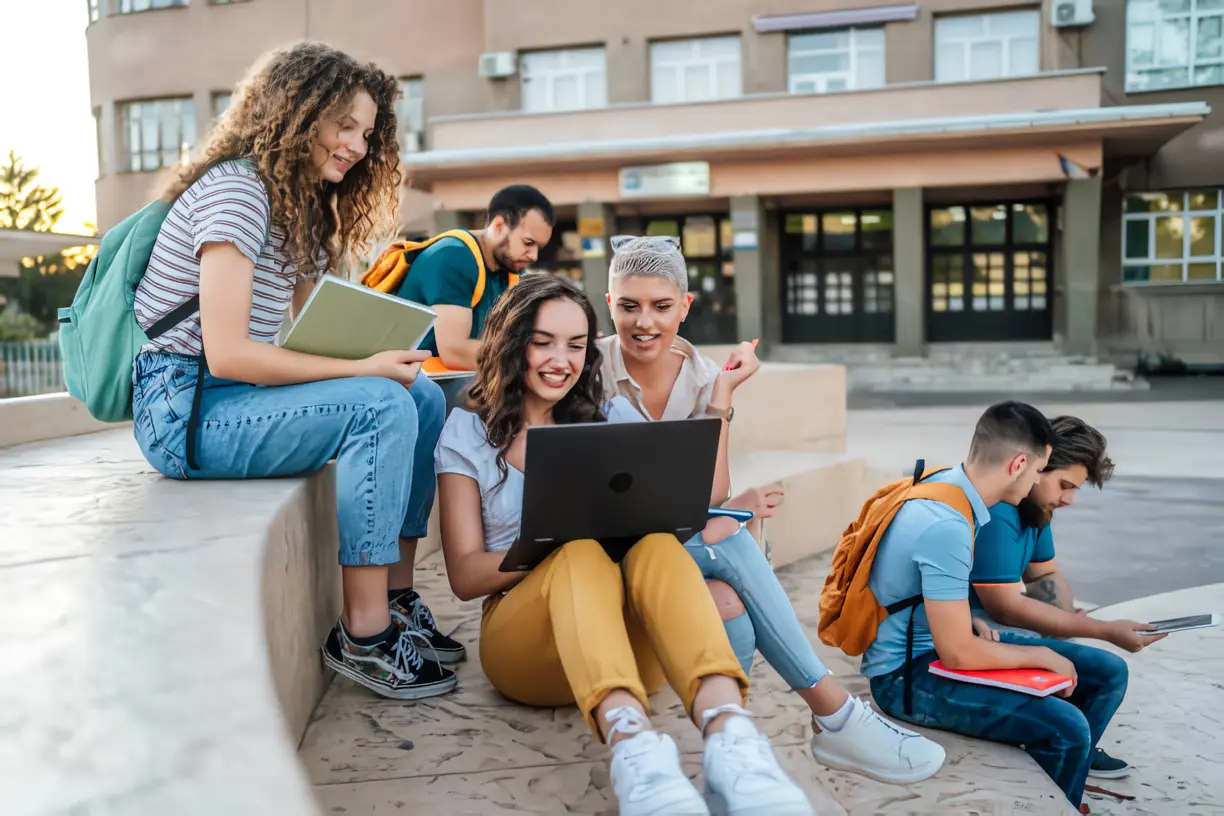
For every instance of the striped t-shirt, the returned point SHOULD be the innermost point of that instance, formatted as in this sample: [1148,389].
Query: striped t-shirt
[228,204]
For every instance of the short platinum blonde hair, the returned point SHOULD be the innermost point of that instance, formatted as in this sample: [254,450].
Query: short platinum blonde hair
[657,255]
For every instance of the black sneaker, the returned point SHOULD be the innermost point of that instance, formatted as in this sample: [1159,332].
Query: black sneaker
[1106,767]
[409,613]
[392,667]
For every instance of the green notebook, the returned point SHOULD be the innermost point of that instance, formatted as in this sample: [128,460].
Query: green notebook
[350,321]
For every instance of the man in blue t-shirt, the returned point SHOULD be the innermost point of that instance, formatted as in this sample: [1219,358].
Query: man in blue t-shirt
[928,551]
[1016,579]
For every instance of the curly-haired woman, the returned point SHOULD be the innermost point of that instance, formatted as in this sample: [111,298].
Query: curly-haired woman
[580,628]
[300,173]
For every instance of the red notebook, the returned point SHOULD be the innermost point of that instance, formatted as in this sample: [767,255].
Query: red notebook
[1037,682]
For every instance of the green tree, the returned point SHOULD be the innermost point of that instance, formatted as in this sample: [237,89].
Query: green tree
[44,283]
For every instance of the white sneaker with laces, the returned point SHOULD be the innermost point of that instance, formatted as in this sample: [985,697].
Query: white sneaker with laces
[878,748]
[742,773]
[646,772]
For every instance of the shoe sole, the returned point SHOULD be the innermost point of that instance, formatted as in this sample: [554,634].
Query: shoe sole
[892,779]
[1121,773]
[718,807]
[411,693]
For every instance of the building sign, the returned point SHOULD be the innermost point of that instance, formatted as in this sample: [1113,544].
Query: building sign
[665,180]
[591,227]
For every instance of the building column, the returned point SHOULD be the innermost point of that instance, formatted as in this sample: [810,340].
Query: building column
[596,224]
[747,228]
[909,272]
[1080,258]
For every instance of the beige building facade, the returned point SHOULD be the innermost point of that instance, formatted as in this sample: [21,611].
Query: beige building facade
[843,174]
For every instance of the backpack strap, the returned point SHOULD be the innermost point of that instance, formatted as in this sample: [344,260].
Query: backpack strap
[470,240]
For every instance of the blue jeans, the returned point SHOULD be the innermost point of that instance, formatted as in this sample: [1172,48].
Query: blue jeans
[773,627]
[1059,733]
[381,435]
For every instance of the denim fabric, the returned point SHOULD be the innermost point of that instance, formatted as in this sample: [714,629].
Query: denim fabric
[738,561]
[742,635]
[379,433]
[1059,733]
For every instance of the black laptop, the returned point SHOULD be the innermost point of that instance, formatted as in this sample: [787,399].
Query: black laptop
[613,482]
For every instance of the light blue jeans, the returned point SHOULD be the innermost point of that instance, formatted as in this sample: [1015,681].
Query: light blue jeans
[381,435]
[770,623]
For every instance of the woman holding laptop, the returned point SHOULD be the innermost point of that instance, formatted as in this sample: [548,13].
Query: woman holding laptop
[580,628]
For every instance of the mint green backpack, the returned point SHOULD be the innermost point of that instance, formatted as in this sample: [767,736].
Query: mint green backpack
[98,334]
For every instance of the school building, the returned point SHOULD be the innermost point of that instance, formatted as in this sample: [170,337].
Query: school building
[843,174]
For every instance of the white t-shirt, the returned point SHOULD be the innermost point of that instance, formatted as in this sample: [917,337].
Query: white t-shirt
[464,449]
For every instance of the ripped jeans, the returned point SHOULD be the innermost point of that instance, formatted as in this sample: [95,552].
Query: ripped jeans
[770,623]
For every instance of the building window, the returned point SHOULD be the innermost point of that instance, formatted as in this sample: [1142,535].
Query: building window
[97,116]
[840,60]
[410,116]
[987,46]
[1174,44]
[1171,237]
[95,10]
[130,6]
[695,70]
[221,101]
[568,79]
[158,133]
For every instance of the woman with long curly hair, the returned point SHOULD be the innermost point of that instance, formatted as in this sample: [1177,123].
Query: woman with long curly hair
[580,628]
[300,174]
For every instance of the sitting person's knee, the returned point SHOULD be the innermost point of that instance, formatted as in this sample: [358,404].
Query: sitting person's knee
[726,600]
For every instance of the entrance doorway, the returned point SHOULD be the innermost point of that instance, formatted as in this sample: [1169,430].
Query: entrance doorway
[989,272]
[837,271]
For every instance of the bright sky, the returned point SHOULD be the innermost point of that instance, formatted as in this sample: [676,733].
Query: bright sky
[44,100]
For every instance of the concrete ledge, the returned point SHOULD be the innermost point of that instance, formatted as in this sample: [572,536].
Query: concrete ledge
[49,416]
[136,619]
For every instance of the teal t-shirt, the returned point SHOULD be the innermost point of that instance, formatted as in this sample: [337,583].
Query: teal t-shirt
[1005,548]
[445,274]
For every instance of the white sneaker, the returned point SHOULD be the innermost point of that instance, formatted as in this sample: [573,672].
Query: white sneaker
[878,748]
[742,774]
[647,776]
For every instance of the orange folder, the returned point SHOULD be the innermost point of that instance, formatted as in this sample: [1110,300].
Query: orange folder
[1037,682]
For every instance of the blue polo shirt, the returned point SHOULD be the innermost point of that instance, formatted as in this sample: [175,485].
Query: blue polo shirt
[1005,549]
[927,549]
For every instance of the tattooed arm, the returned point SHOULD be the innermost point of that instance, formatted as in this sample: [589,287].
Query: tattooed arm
[1045,582]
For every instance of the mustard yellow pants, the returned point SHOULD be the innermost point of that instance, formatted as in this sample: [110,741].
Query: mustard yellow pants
[580,626]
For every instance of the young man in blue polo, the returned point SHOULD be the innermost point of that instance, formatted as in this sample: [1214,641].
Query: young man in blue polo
[928,551]
[1016,579]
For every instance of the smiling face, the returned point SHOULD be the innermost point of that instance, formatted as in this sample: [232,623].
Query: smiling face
[557,350]
[344,139]
[647,311]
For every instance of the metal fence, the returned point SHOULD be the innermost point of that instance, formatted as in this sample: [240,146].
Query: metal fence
[30,368]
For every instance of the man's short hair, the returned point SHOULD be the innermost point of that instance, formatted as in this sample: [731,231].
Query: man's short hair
[1080,444]
[1007,428]
[515,201]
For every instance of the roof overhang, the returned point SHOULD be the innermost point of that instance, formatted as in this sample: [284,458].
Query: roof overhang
[1125,128]
[18,244]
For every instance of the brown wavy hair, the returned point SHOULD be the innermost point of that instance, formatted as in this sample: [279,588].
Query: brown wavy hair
[274,123]
[496,392]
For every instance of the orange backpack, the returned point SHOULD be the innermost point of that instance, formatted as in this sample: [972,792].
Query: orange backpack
[389,271]
[849,611]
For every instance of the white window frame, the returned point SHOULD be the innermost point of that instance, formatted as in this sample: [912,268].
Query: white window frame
[1216,212]
[548,67]
[95,10]
[410,115]
[137,6]
[854,49]
[1006,39]
[167,156]
[1149,21]
[676,56]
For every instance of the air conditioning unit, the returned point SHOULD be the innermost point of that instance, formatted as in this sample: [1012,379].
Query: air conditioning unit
[498,64]
[1070,13]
